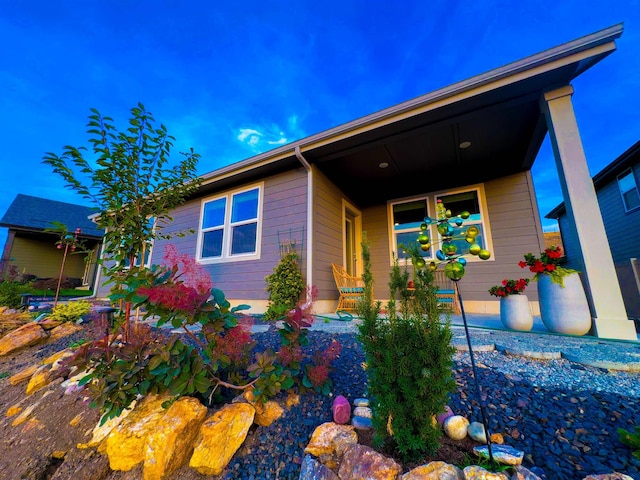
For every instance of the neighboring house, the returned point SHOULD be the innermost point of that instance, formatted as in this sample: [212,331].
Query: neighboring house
[33,251]
[471,144]
[618,194]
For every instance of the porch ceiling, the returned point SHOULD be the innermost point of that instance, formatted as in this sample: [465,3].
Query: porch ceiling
[505,127]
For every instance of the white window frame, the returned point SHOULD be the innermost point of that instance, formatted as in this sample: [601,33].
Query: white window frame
[631,173]
[393,231]
[227,227]
[147,264]
[431,199]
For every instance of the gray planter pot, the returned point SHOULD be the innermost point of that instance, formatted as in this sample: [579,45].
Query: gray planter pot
[515,313]
[564,310]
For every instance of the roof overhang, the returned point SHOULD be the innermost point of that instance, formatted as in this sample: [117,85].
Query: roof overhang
[419,140]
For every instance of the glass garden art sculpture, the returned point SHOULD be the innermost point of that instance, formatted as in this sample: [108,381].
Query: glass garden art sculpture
[450,228]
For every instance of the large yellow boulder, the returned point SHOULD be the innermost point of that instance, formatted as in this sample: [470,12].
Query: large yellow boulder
[220,437]
[126,442]
[101,432]
[22,337]
[40,379]
[170,444]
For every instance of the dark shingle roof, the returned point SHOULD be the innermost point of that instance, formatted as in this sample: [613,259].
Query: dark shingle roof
[36,214]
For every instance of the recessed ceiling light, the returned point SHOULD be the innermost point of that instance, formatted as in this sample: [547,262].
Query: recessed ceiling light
[465,144]
[383,164]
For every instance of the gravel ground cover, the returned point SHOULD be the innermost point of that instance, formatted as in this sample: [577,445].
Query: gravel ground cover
[562,414]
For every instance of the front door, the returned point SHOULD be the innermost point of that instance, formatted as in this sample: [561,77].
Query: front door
[352,237]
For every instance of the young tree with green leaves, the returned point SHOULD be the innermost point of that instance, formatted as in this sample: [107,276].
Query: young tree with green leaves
[126,174]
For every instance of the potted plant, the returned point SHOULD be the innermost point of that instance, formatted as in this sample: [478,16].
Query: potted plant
[515,312]
[563,303]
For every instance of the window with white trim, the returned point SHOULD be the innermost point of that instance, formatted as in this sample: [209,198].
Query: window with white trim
[406,217]
[148,249]
[629,190]
[230,226]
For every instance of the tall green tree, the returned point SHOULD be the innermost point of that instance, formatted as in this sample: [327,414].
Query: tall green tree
[127,175]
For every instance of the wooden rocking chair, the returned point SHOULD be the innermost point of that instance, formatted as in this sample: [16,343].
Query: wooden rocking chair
[447,295]
[350,288]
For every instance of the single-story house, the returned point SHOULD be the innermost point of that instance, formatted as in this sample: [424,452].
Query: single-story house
[616,186]
[33,251]
[471,144]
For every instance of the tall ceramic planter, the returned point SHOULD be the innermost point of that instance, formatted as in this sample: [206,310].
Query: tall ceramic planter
[564,310]
[515,313]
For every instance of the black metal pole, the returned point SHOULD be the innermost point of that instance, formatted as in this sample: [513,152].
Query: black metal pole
[475,377]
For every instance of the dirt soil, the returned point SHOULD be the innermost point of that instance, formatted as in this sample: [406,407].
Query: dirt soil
[44,446]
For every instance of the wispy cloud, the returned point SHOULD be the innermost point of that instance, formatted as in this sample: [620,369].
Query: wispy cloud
[259,138]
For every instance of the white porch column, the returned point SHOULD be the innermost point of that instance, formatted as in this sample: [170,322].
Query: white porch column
[609,315]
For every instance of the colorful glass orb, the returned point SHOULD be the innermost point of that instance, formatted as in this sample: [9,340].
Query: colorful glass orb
[423,226]
[474,249]
[423,238]
[470,239]
[425,247]
[419,263]
[449,249]
[462,261]
[440,255]
[458,221]
[473,231]
[433,266]
[428,220]
[465,215]
[442,228]
[454,271]
[447,213]
[484,254]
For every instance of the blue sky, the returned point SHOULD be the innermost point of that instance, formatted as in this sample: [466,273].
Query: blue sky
[232,79]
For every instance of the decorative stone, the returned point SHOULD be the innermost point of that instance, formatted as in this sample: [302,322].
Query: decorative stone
[322,438]
[100,432]
[456,427]
[220,436]
[501,454]
[75,421]
[24,416]
[49,324]
[40,379]
[341,410]
[311,469]
[434,471]
[64,330]
[441,417]
[125,444]
[360,461]
[362,423]
[56,359]
[497,438]
[477,432]
[523,473]
[22,337]
[171,442]
[293,399]
[342,441]
[361,402]
[474,472]
[363,412]
[23,375]
[11,411]
[266,413]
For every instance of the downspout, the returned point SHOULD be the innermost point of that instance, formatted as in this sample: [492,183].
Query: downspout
[307,167]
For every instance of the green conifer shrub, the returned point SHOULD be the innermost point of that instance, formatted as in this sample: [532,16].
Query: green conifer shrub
[284,285]
[409,364]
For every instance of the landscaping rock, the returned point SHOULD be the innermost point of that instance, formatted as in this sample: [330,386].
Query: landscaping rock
[322,439]
[362,412]
[441,417]
[434,471]
[23,375]
[266,413]
[456,427]
[474,472]
[501,453]
[362,423]
[171,442]
[64,330]
[477,432]
[125,445]
[360,461]
[22,337]
[101,432]
[40,379]
[523,473]
[341,410]
[361,402]
[311,469]
[220,436]
[609,476]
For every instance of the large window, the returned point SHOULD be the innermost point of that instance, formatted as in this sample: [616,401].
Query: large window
[230,226]
[407,216]
[629,190]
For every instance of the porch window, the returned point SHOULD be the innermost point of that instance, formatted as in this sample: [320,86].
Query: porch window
[629,190]
[230,227]
[466,201]
[148,249]
[407,217]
